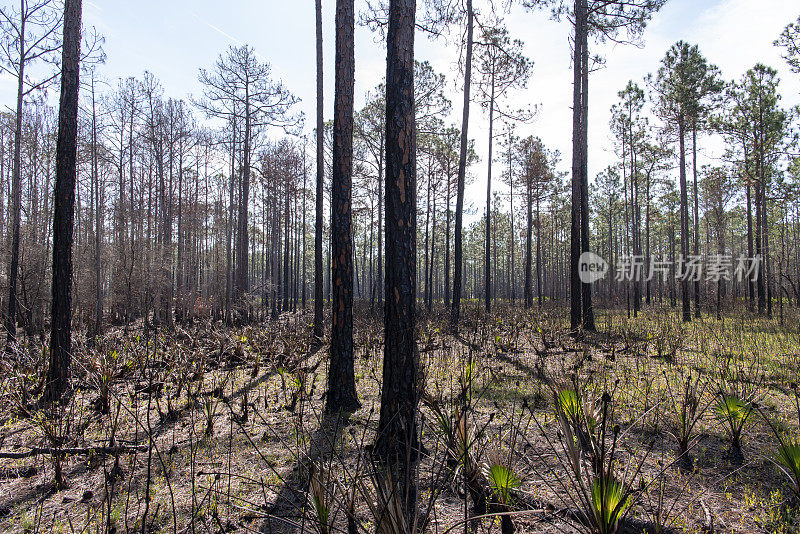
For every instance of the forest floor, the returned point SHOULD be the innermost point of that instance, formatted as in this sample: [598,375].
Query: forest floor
[214,429]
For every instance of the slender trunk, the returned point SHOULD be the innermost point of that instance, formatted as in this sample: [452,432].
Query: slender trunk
[16,198]
[696,219]
[512,274]
[750,284]
[380,228]
[286,246]
[64,206]
[462,171]
[647,238]
[762,298]
[586,289]
[487,258]
[684,207]
[98,313]
[427,235]
[305,234]
[318,273]
[575,286]
[539,295]
[341,378]
[447,245]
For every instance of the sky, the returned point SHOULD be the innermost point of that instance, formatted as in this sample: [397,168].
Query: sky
[174,38]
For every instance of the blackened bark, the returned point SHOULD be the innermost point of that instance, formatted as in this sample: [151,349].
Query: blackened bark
[487,266]
[305,235]
[242,281]
[447,244]
[647,237]
[16,200]
[462,172]
[687,312]
[318,276]
[575,287]
[98,311]
[750,285]
[397,428]
[66,159]
[341,379]
[586,289]
[528,289]
[696,219]
[286,246]
[379,282]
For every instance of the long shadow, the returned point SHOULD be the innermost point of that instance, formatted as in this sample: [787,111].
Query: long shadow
[292,498]
[521,366]
[168,422]
[41,493]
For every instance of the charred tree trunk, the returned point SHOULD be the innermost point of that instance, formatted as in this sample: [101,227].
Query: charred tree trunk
[586,289]
[487,274]
[575,286]
[341,379]
[397,442]
[16,199]
[462,172]
[318,274]
[64,206]
[696,219]
[98,311]
[685,298]
[750,284]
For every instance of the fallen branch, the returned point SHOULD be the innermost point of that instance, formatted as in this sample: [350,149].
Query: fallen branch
[36,451]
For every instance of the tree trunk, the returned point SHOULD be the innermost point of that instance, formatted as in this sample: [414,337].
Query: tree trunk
[341,378]
[318,273]
[696,219]
[586,289]
[286,246]
[749,281]
[575,286]
[16,199]
[687,311]
[98,312]
[64,206]
[447,243]
[462,171]
[487,258]
[397,428]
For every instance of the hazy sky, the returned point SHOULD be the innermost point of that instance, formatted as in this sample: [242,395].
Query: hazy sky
[173,38]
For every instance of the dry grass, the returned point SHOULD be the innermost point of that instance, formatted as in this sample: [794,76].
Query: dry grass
[234,421]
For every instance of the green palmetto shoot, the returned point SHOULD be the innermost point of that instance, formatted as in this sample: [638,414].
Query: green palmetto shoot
[502,479]
[735,413]
[788,461]
[610,500]
[589,439]
[787,456]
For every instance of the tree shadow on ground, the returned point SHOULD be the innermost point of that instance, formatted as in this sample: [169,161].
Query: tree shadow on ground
[285,515]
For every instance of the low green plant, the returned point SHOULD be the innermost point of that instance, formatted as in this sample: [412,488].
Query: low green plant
[589,446]
[320,500]
[734,413]
[687,400]
[788,461]
[610,501]
[502,480]
[787,455]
